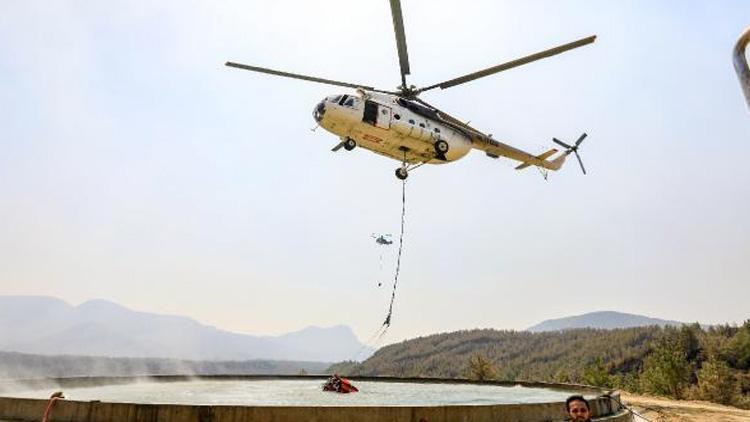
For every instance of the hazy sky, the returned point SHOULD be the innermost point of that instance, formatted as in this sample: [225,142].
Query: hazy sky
[136,167]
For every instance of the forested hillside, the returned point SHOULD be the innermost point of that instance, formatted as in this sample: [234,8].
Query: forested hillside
[686,362]
[26,366]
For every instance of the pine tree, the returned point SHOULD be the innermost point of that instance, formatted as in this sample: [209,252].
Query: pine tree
[596,374]
[480,368]
[666,370]
[717,383]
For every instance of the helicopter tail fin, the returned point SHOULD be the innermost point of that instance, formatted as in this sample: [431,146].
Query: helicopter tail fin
[558,162]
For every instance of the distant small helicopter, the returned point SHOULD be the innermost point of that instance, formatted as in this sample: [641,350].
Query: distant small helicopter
[399,125]
[383,239]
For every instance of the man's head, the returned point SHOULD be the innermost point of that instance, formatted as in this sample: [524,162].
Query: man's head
[578,409]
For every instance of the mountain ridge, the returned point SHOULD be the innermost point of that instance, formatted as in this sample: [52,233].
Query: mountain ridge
[47,325]
[606,320]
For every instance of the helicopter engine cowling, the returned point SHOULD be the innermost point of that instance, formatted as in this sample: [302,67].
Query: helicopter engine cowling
[459,146]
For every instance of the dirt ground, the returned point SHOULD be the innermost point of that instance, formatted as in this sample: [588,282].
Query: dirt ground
[666,410]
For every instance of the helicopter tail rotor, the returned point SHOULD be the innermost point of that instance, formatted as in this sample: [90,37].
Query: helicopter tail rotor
[573,148]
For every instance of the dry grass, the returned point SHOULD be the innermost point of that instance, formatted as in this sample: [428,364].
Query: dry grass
[665,410]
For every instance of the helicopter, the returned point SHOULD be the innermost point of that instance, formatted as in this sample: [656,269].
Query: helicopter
[400,125]
[382,239]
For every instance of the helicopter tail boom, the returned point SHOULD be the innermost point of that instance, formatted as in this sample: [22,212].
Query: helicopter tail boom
[553,165]
[557,163]
[543,156]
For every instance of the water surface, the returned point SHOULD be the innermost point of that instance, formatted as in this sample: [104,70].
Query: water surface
[307,393]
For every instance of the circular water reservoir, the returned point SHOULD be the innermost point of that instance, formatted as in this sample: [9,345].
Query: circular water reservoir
[294,399]
[279,392]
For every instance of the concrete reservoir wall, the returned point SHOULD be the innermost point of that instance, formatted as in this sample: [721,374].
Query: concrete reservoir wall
[605,408]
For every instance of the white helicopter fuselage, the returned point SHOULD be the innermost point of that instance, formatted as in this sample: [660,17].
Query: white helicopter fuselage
[383,124]
[399,125]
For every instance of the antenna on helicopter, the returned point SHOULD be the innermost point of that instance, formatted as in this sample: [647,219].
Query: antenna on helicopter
[573,148]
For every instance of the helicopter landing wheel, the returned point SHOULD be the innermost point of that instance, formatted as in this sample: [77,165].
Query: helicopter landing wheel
[441,147]
[349,144]
[402,173]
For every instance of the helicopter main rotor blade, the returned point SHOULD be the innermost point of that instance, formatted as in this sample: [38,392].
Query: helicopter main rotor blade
[303,77]
[511,64]
[398,28]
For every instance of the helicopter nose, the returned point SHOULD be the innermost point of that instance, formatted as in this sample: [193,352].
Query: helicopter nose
[319,111]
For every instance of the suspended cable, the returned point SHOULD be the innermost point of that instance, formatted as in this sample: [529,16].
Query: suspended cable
[387,322]
[379,334]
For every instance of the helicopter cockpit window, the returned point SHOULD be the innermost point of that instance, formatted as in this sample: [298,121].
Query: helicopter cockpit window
[343,98]
[336,99]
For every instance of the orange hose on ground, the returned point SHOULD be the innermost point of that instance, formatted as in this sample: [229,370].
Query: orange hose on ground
[52,400]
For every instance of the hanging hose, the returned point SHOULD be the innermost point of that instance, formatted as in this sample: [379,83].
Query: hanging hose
[380,268]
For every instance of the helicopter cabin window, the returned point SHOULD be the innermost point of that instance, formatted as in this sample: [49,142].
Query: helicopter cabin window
[397,116]
[412,121]
[349,102]
[421,125]
[437,130]
[343,98]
